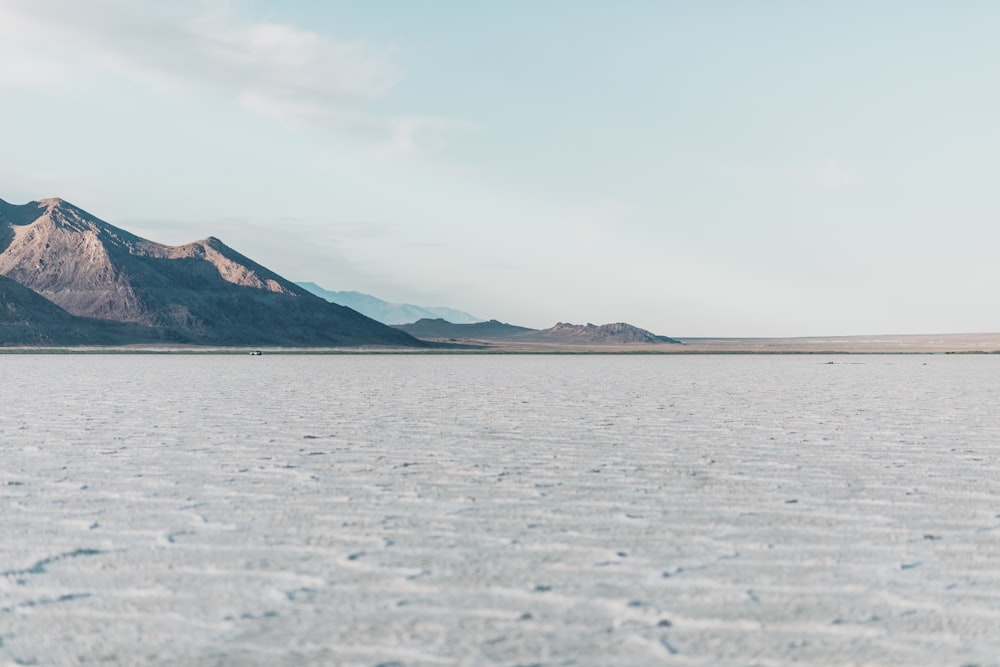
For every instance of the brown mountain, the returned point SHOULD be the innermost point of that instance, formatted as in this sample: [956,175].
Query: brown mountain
[202,292]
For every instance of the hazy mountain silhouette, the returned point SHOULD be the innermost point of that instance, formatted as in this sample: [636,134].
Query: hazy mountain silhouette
[387,312]
[202,292]
[442,329]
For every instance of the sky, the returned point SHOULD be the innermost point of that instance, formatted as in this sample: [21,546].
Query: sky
[711,168]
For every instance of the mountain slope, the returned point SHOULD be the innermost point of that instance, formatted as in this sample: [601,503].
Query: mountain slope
[387,312]
[27,318]
[202,291]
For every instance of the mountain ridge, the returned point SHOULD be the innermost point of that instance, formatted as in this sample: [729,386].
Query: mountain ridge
[68,277]
[203,292]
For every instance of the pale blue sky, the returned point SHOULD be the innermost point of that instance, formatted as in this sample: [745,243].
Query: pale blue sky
[694,168]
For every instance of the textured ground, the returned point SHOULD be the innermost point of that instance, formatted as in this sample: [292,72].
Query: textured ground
[499,510]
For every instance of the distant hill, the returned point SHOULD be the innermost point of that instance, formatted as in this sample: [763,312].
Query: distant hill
[202,292]
[386,312]
[567,334]
[442,329]
[617,333]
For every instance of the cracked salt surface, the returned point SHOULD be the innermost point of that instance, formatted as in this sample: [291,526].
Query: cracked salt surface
[436,510]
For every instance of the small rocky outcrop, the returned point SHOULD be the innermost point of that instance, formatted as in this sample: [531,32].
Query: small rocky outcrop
[616,333]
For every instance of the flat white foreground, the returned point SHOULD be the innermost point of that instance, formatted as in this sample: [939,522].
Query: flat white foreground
[470,510]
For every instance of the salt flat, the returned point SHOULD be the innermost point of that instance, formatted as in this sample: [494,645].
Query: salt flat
[499,510]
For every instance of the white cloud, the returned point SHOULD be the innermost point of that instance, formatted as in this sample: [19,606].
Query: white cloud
[294,73]
[189,46]
[280,71]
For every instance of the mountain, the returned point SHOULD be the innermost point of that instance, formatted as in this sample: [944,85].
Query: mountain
[386,312]
[202,292]
[618,333]
[562,333]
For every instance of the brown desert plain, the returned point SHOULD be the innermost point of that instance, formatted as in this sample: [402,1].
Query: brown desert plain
[912,344]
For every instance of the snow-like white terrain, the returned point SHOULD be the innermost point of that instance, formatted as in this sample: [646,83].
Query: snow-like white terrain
[499,510]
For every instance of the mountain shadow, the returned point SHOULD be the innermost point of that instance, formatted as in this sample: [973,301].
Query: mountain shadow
[27,318]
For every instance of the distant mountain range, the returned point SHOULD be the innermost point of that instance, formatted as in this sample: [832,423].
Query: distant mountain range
[562,333]
[386,312]
[69,278]
[72,278]
[447,324]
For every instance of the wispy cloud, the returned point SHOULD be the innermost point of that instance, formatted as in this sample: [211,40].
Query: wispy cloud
[280,71]
[410,133]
